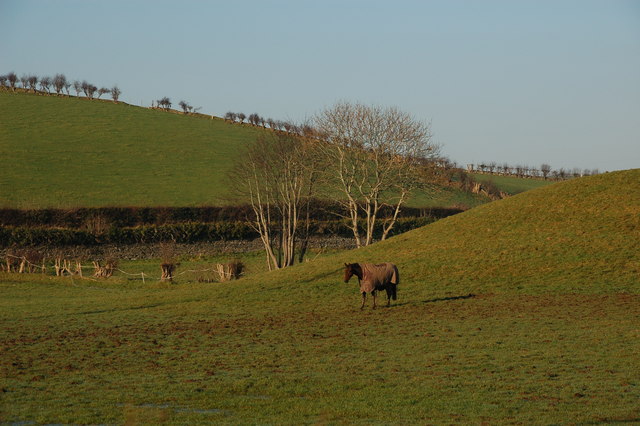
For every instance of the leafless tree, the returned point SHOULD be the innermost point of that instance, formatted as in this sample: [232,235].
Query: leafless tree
[88,89]
[288,127]
[230,116]
[67,85]
[24,80]
[59,81]
[115,93]
[562,173]
[241,117]
[45,84]
[3,81]
[376,156]
[254,119]
[12,78]
[164,103]
[278,175]
[77,86]
[102,91]
[186,108]
[545,169]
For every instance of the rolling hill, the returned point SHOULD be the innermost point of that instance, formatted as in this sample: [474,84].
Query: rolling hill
[72,152]
[520,311]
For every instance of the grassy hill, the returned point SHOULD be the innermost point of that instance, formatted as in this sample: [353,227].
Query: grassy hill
[65,152]
[511,185]
[525,310]
[73,152]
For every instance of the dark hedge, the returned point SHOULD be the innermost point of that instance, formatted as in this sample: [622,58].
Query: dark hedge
[189,232]
[90,218]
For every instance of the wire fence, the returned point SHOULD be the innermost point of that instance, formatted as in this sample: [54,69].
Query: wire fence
[64,267]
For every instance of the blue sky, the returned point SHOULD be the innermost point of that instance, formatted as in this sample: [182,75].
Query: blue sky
[522,82]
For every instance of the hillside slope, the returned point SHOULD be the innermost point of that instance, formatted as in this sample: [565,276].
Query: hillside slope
[65,152]
[573,236]
[73,152]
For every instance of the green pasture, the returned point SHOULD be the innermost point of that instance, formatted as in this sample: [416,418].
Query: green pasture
[511,185]
[73,152]
[69,152]
[526,310]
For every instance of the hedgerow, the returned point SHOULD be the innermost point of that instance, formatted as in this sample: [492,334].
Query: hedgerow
[190,232]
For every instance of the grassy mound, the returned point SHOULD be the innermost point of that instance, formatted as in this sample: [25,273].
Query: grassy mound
[521,311]
[72,152]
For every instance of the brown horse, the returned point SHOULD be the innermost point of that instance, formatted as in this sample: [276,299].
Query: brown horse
[372,278]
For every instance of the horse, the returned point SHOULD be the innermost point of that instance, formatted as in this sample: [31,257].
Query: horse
[372,278]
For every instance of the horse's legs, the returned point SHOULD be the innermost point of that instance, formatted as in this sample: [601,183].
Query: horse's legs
[388,297]
[373,293]
[364,297]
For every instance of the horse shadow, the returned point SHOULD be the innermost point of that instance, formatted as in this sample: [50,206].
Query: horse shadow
[448,299]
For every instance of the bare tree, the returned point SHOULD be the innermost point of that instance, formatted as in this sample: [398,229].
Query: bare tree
[241,117]
[230,116]
[186,108]
[288,127]
[562,173]
[45,84]
[254,119]
[24,80]
[67,85]
[545,169]
[3,81]
[115,93]
[377,155]
[59,81]
[164,103]
[102,91]
[88,89]
[12,78]
[77,86]
[278,175]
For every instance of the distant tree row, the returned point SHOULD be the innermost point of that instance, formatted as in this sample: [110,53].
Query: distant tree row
[257,120]
[545,171]
[58,84]
[165,103]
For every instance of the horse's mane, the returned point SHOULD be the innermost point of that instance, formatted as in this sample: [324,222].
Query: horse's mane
[357,269]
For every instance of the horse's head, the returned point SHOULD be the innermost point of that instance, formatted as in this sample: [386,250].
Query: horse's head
[351,269]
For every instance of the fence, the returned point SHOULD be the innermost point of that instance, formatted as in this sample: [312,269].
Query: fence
[65,267]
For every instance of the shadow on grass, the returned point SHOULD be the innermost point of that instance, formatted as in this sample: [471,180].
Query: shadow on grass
[447,299]
[441,299]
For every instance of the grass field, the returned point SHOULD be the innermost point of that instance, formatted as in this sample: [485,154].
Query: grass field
[66,152]
[511,185]
[73,152]
[525,310]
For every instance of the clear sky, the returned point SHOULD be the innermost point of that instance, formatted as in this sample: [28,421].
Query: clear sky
[522,82]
